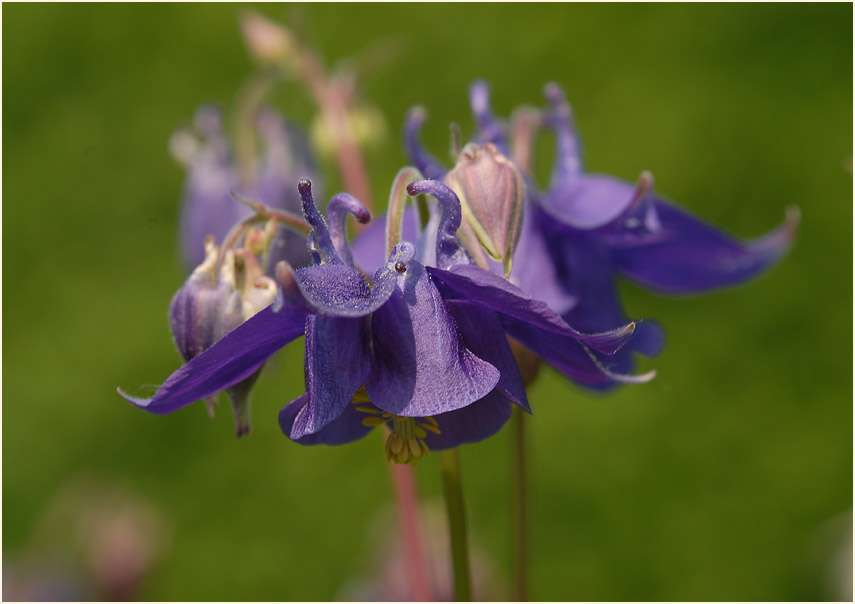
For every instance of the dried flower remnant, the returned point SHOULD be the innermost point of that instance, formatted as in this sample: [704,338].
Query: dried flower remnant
[210,304]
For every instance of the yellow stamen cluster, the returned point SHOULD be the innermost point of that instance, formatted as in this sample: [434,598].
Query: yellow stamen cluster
[405,443]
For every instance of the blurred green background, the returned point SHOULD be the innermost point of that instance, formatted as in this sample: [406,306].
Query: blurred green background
[728,477]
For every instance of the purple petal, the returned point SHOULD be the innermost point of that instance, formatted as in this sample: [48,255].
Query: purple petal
[484,335]
[419,156]
[235,357]
[568,151]
[207,208]
[471,284]
[347,427]
[337,364]
[569,355]
[589,201]
[534,271]
[590,276]
[421,367]
[471,424]
[648,339]
[674,252]
[334,289]
[490,130]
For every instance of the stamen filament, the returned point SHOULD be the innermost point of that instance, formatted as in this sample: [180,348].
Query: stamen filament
[405,443]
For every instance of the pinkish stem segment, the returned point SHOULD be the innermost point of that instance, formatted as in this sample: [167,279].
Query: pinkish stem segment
[409,521]
[331,97]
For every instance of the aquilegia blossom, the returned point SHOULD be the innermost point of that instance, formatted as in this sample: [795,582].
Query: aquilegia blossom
[213,172]
[587,229]
[420,349]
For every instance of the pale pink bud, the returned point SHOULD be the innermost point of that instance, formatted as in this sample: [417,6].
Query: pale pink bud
[492,193]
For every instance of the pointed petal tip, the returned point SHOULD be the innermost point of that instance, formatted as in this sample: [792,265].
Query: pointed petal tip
[141,403]
[621,377]
[642,378]
[639,379]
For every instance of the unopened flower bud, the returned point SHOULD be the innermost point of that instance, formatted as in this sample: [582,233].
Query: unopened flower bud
[266,40]
[492,193]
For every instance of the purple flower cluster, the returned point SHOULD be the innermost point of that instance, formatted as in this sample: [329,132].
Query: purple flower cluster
[410,328]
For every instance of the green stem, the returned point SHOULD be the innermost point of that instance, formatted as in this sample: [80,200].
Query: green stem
[520,507]
[452,488]
[249,99]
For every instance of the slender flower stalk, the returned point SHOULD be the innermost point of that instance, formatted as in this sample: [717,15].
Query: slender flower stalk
[520,507]
[329,94]
[275,45]
[262,213]
[410,524]
[249,100]
[452,488]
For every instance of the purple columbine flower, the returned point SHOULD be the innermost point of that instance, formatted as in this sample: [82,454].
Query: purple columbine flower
[587,229]
[420,349]
[212,173]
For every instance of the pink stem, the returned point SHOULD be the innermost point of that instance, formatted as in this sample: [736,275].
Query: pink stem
[329,97]
[404,482]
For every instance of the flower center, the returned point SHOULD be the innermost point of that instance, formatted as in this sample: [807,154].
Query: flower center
[405,443]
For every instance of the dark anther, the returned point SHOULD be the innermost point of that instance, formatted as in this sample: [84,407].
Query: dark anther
[400,267]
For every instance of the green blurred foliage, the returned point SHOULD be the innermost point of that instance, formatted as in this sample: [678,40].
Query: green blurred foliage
[713,482]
